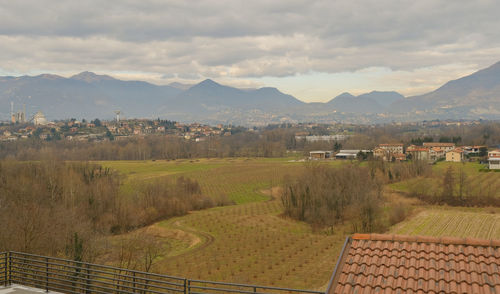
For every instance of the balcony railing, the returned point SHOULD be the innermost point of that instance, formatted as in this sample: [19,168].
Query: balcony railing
[68,276]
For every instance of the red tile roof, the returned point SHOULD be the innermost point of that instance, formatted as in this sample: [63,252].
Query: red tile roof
[376,263]
[436,144]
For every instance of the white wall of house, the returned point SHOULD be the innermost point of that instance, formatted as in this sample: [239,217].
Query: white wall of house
[494,163]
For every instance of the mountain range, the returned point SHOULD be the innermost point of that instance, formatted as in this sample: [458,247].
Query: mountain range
[88,95]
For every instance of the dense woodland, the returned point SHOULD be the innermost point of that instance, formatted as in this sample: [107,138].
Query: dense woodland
[63,209]
[328,196]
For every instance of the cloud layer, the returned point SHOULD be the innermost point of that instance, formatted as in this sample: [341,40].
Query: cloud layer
[243,41]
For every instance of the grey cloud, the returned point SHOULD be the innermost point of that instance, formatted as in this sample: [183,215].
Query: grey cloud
[222,38]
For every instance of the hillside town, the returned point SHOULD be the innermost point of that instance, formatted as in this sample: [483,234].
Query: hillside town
[96,130]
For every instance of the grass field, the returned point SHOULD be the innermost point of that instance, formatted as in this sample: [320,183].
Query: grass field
[483,223]
[240,179]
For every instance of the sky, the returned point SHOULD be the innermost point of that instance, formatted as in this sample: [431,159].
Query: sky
[314,50]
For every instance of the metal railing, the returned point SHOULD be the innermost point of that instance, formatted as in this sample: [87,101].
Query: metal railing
[68,276]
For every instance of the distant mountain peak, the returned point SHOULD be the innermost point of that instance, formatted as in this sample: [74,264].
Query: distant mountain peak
[382,92]
[49,76]
[209,82]
[270,89]
[346,94]
[88,76]
[180,86]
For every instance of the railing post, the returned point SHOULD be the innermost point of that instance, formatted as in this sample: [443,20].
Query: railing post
[6,268]
[10,268]
[254,289]
[133,281]
[46,274]
[88,281]
[185,286]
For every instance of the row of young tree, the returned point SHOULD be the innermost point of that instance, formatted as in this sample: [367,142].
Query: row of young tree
[65,209]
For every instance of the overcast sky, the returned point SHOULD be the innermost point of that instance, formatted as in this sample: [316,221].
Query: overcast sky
[313,50]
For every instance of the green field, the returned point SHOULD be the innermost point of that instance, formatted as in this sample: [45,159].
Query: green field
[240,179]
[453,222]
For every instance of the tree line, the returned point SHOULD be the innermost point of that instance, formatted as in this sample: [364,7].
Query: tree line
[456,188]
[272,141]
[246,144]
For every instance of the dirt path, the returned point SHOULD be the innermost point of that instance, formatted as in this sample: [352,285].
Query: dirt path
[209,239]
[273,193]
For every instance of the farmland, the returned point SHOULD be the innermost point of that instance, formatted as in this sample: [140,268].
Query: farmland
[454,222]
[240,179]
[253,243]
[247,243]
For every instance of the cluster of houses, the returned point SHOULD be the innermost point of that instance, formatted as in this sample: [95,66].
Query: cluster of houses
[193,131]
[96,130]
[429,151]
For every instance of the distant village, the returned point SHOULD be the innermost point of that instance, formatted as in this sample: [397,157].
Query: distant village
[429,151]
[39,127]
[96,130]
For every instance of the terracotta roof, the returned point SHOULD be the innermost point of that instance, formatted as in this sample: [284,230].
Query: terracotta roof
[376,263]
[436,144]
[417,148]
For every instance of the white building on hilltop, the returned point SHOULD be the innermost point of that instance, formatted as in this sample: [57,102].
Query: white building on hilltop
[39,119]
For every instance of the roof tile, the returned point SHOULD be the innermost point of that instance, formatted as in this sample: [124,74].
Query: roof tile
[377,263]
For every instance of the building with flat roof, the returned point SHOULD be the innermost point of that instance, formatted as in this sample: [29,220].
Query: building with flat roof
[315,155]
[350,154]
